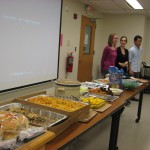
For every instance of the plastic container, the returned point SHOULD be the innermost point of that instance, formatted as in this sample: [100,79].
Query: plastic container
[116,91]
[115,77]
[129,84]
[67,88]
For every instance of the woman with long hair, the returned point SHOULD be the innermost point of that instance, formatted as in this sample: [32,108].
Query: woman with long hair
[109,54]
[122,59]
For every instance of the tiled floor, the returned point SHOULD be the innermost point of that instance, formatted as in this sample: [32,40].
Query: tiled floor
[132,136]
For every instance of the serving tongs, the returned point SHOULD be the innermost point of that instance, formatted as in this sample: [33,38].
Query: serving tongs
[111,96]
[75,98]
[108,91]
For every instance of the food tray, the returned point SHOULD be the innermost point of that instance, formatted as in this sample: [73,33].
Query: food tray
[98,91]
[102,81]
[84,110]
[95,102]
[108,98]
[116,91]
[36,116]
[58,105]
[94,84]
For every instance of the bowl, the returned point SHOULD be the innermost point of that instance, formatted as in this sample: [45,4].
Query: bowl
[83,89]
[129,84]
[116,91]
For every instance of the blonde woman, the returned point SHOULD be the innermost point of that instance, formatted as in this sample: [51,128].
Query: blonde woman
[109,54]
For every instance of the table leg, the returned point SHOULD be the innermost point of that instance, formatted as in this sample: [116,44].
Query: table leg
[139,107]
[115,129]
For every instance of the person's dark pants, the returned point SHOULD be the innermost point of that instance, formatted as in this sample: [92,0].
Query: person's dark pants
[136,74]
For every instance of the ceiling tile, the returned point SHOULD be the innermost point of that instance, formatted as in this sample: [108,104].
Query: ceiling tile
[118,6]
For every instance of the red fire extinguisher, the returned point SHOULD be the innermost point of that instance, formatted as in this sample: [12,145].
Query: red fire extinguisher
[69,65]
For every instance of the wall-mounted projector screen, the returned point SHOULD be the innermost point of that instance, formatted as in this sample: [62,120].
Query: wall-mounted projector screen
[29,42]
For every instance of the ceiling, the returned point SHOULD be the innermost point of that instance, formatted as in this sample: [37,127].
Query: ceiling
[118,7]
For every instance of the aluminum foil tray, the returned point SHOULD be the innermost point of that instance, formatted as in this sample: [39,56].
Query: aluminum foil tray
[108,98]
[66,98]
[36,116]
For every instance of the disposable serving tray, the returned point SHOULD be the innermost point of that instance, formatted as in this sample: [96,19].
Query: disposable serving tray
[50,118]
[56,128]
[81,112]
[35,143]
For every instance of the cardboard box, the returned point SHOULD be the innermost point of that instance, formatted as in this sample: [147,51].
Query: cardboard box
[57,129]
[81,112]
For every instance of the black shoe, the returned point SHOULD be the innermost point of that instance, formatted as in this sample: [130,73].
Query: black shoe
[128,103]
[134,99]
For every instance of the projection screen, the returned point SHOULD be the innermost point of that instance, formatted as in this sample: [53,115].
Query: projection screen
[29,42]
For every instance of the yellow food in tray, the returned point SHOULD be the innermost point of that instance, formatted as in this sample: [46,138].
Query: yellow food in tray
[58,103]
[95,102]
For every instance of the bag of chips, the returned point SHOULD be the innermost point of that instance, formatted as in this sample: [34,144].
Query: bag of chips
[115,77]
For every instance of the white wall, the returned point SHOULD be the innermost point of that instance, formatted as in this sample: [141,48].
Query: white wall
[147,42]
[97,48]
[128,25]
[71,37]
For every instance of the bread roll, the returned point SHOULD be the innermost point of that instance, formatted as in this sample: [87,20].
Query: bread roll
[12,123]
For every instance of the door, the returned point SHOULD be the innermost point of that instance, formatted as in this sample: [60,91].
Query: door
[86,50]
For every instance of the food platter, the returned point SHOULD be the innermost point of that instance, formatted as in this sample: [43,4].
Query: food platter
[116,91]
[56,102]
[37,117]
[108,98]
[94,85]
[64,82]
[102,81]
[94,102]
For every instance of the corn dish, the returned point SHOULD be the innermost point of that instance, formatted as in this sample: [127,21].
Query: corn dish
[93,101]
[54,102]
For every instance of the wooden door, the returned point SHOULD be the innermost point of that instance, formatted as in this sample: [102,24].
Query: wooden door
[86,51]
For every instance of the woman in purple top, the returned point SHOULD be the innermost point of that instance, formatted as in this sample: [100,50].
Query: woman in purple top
[109,54]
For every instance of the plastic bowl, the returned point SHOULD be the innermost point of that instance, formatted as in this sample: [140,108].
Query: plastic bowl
[129,84]
[116,91]
[83,89]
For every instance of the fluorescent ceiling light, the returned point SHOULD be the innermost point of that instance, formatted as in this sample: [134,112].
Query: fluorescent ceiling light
[135,4]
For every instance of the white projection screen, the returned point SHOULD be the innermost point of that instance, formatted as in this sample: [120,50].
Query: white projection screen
[29,42]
